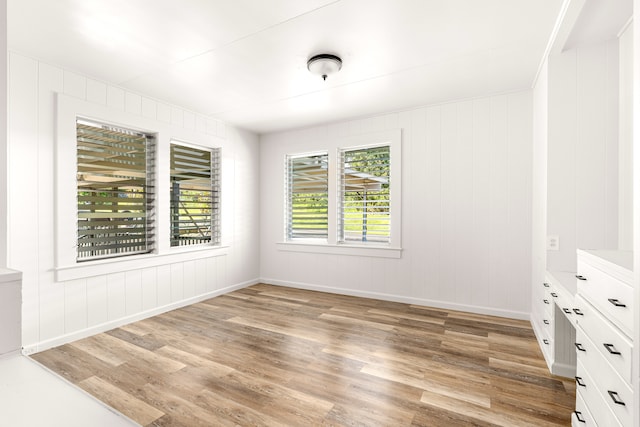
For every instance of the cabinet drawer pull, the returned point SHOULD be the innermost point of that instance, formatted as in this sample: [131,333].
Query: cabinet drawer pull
[546,301]
[545,321]
[578,312]
[579,277]
[580,347]
[580,382]
[546,341]
[566,310]
[615,302]
[611,349]
[553,294]
[545,284]
[616,398]
[579,416]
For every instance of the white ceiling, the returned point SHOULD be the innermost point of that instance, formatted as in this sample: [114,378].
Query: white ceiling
[244,61]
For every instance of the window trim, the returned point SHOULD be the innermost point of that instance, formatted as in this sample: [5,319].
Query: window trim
[65,266]
[215,221]
[393,249]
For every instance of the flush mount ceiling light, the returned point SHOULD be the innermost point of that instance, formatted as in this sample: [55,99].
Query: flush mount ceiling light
[324,64]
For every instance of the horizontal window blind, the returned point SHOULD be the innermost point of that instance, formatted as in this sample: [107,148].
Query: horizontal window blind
[307,201]
[115,191]
[363,202]
[195,195]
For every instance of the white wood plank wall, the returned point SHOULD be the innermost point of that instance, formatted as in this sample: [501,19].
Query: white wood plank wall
[466,192]
[56,312]
[582,188]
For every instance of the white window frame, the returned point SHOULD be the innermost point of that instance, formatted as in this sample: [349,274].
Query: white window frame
[393,249]
[215,164]
[288,198]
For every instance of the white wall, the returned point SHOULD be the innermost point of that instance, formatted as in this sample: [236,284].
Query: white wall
[3,134]
[582,186]
[466,214]
[539,196]
[59,311]
[625,152]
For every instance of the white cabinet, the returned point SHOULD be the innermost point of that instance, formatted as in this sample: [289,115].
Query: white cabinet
[604,343]
[553,319]
[10,311]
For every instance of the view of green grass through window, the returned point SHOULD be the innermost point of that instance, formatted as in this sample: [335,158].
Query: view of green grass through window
[194,195]
[115,192]
[364,211]
[307,201]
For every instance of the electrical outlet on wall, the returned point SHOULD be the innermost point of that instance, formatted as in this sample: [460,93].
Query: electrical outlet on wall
[553,243]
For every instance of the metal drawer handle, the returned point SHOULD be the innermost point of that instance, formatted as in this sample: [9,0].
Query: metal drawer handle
[566,310]
[578,312]
[580,347]
[616,398]
[545,284]
[611,349]
[580,382]
[615,302]
[553,294]
[546,341]
[546,301]
[545,321]
[579,416]
[579,277]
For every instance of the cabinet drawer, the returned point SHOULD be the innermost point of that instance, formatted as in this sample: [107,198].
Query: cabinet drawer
[582,417]
[587,392]
[613,298]
[604,380]
[609,341]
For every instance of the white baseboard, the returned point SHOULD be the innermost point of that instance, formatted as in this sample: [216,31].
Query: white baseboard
[397,298]
[74,336]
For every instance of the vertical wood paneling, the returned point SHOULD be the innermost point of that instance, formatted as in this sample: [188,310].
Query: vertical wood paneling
[52,309]
[75,305]
[133,292]
[133,103]
[116,296]
[115,97]
[448,157]
[466,182]
[164,285]
[97,301]
[498,201]
[189,271]
[96,92]
[481,195]
[22,120]
[432,213]
[149,289]
[75,85]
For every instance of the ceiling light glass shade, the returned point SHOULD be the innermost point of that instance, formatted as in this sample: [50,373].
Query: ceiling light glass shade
[324,64]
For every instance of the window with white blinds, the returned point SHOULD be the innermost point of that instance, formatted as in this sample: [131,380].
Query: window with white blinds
[115,191]
[307,196]
[195,195]
[364,213]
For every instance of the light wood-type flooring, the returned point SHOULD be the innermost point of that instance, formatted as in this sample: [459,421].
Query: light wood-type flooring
[274,356]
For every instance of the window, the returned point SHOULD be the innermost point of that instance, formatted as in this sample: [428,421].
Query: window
[364,199]
[115,191]
[195,195]
[307,196]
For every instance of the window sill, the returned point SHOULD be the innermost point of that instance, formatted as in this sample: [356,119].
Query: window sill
[341,249]
[86,269]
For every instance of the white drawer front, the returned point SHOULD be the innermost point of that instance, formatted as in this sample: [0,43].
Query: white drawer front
[599,411]
[612,344]
[612,297]
[582,416]
[608,383]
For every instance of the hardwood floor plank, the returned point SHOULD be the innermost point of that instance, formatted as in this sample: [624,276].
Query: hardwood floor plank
[274,356]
